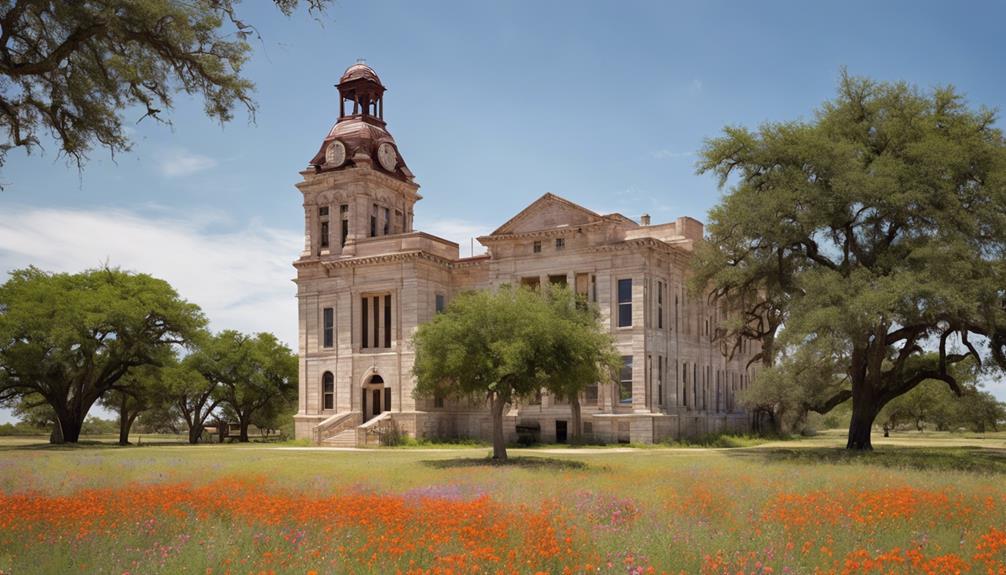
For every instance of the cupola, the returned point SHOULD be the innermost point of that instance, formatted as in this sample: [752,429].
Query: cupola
[360,133]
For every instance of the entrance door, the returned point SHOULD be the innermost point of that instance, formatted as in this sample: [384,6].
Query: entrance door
[560,432]
[375,398]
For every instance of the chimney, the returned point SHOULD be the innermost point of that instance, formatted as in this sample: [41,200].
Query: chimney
[644,220]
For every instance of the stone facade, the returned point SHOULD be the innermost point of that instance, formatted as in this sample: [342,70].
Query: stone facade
[366,279]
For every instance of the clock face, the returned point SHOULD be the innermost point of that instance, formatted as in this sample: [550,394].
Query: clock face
[335,154]
[387,156]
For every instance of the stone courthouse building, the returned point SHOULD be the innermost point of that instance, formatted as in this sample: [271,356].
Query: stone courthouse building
[366,279]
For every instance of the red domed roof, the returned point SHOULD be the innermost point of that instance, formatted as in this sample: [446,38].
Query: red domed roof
[359,71]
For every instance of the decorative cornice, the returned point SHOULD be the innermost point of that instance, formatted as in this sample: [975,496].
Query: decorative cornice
[547,233]
[320,181]
[395,257]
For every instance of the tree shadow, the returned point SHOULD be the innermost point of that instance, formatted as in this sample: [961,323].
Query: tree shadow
[532,462]
[987,460]
[82,445]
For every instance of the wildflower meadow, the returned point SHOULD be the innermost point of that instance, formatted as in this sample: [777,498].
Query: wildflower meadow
[218,510]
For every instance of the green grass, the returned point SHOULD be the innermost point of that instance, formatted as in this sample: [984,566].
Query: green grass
[673,508]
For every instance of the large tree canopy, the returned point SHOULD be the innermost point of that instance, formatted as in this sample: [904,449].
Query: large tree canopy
[881,224]
[67,339]
[71,69]
[508,344]
[252,376]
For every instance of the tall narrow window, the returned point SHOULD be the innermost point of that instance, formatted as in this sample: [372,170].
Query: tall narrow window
[344,215]
[377,321]
[660,305]
[323,219]
[387,220]
[328,390]
[684,384]
[440,302]
[660,380]
[590,394]
[387,321]
[365,323]
[373,221]
[625,303]
[328,326]
[560,243]
[399,222]
[536,247]
[625,381]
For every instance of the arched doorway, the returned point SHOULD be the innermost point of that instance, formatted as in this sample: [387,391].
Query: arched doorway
[376,398]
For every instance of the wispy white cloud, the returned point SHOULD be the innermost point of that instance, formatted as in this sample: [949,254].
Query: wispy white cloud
[178,162]
[240,278]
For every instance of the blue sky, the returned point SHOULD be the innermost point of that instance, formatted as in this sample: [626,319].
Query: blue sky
[492,105]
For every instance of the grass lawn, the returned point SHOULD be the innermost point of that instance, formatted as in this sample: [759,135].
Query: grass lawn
[922,503]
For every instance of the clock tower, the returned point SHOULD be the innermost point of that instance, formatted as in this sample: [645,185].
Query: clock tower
[365,278]
[357,185]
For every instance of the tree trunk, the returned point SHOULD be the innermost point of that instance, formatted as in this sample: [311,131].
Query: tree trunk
[56,437]
[499,444]
[864,411]
[574,407]
[243,436]
[124,421]
[195,431]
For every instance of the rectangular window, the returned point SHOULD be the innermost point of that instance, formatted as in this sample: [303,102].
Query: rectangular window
[536,247]
[557,280]
[440,302]
[373,221]
[328,326]
[365,323]
[593,288]
[660,380]
[387,321]
[581,282]
[387,220]
[323,225]
[532,282]
[625,381]
[324,234]
[377,321]
[560,243]
[344,215]
[625,303]
[438,401]
[590,394]
[660,305]
[684,384]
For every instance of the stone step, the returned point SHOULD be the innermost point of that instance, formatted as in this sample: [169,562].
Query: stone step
[345,438]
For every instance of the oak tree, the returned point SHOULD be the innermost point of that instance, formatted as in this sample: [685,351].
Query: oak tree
[70,338]
[74,71]
[886,217]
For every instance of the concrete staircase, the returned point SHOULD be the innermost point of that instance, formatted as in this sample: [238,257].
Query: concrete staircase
[345,438]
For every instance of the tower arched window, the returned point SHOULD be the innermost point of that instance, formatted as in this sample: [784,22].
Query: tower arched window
[328,390]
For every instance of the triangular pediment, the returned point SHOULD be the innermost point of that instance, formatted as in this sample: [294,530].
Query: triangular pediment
[546,213]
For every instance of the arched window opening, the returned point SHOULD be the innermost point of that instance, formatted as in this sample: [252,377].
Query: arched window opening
[328,390]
